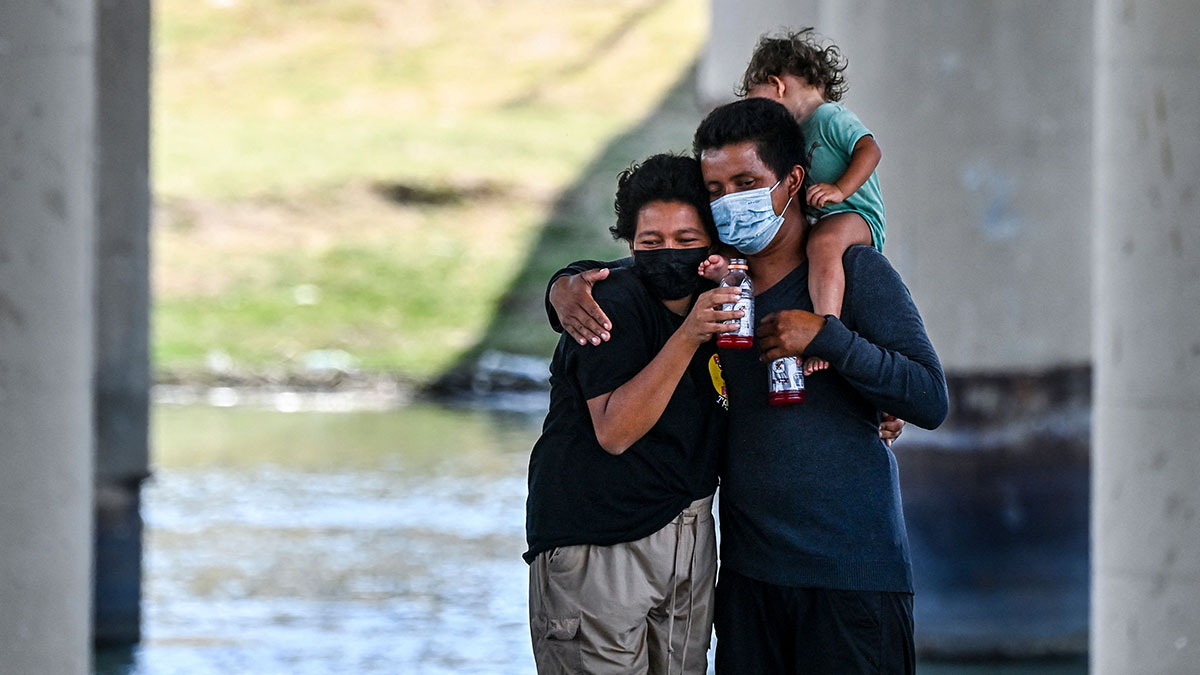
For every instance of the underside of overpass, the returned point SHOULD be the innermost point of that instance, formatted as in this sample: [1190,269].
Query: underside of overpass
[1041,166]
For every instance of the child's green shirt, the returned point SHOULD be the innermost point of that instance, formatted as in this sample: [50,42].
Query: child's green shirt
[829,137]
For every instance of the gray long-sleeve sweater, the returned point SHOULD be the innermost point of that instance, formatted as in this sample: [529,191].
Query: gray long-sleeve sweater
[810,496]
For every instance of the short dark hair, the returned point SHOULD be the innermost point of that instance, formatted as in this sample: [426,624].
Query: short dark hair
[767,124]
[660,178]
[800,53]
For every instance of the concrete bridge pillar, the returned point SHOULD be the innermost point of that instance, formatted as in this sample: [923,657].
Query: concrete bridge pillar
[1146,504]
[735,27]
[47,77]
[122,375]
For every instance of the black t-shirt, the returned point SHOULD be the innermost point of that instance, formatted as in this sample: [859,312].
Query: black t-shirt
[581,494]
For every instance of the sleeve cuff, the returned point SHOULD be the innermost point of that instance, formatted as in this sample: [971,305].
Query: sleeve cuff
[832,342]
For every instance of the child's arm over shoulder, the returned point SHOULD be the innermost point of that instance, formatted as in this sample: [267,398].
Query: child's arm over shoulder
[845,129]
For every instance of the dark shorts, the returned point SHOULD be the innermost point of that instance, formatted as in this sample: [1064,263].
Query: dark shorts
[767,629]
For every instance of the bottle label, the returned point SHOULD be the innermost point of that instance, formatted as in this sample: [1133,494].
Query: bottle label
[746,323]
[785,375]
[746,304]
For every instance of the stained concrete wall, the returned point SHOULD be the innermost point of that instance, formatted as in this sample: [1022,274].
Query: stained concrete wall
[47,77]
[734,28]
[982,110]
[1146,517]
[122,370]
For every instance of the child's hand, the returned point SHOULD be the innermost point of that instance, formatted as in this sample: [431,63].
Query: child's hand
[824,193]
[714,268]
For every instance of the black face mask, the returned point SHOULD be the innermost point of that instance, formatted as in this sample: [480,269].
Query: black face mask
[670,273]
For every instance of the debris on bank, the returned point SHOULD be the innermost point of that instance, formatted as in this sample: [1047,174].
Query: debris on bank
[330,382]
[326,380]
[374,394]
[497,381]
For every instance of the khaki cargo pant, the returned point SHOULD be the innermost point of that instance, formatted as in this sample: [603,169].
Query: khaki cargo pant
[640,607]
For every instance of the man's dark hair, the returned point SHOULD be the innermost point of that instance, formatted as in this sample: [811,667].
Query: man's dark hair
[660,178]
[798,53]
[767,124]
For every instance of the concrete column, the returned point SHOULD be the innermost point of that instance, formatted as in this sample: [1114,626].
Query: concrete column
[122,379]
[46,220]
[982,110]
[734,29]
[1146,513]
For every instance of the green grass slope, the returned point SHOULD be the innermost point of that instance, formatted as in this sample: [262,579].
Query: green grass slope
[390,182]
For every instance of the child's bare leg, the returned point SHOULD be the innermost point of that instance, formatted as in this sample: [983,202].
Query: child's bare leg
[827,242]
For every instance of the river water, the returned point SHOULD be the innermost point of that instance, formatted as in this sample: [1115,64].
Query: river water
[345,542]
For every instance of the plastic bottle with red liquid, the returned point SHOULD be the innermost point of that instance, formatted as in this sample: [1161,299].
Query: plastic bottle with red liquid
[785,382]
[738,277]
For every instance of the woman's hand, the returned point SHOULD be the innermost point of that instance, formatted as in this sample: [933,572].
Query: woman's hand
[890,428]
[707,318]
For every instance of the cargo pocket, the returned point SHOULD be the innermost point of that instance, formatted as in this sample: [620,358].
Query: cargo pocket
[556,645]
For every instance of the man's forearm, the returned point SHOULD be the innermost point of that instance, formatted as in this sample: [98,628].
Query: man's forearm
[574,268]
[911,387]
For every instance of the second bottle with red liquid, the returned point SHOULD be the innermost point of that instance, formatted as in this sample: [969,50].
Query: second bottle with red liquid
[785,379]
[785,382]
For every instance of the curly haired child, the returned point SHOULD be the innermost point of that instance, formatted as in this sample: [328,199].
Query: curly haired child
[806,76]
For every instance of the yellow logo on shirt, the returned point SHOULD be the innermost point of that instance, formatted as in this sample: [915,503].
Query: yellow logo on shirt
[718,380]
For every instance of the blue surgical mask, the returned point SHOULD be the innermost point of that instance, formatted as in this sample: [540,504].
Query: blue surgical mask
[746,220]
